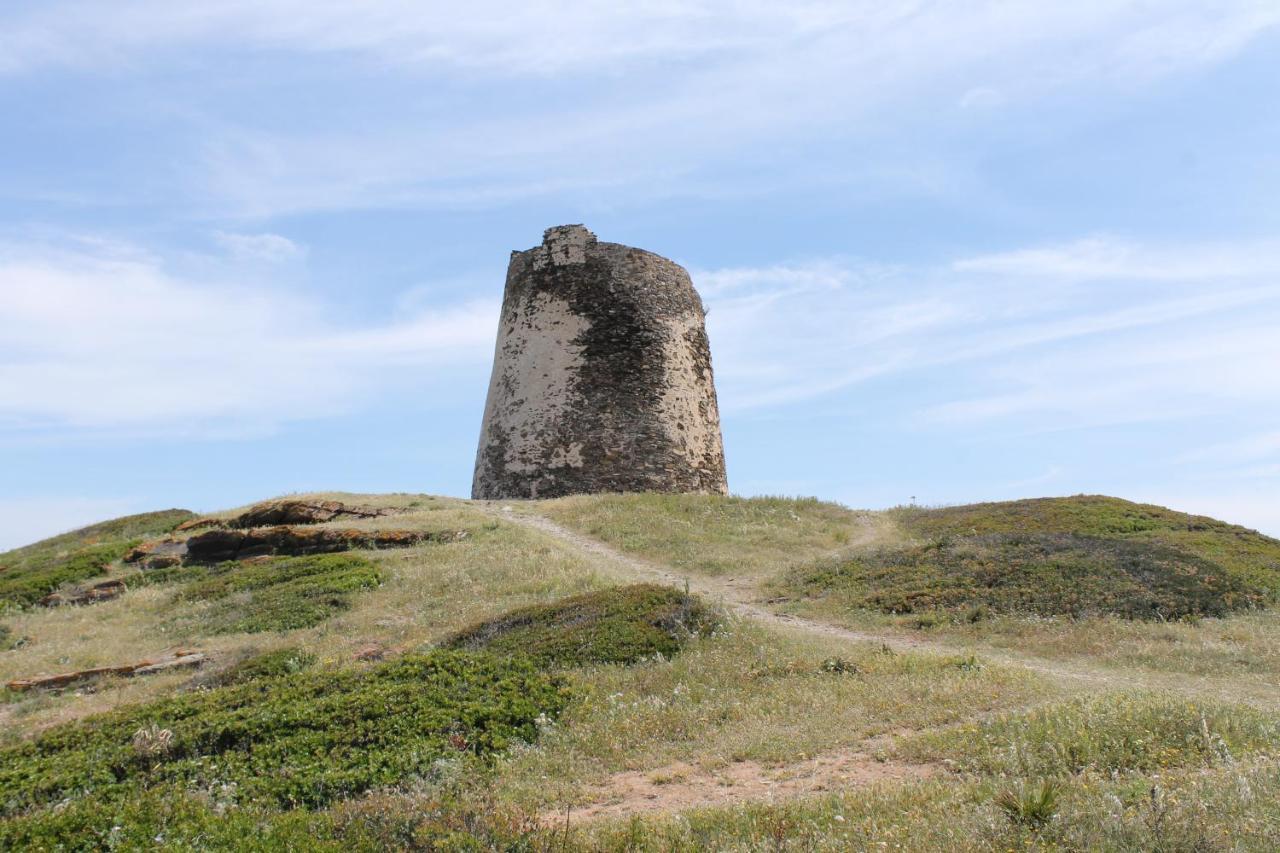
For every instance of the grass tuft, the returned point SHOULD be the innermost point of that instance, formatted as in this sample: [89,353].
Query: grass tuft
[1029,805]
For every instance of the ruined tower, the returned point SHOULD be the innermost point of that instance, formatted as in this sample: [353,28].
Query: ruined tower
[601,377]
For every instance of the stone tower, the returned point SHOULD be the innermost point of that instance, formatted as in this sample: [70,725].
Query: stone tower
[601,377]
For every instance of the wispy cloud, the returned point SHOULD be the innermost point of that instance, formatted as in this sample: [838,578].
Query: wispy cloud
[270,248]
[1110,258]
[646,96]
[1187,344]
[103,337]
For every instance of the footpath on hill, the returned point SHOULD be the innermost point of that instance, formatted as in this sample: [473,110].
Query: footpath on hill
[741,599]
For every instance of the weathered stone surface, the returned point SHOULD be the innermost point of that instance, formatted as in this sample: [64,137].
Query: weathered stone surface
[158,554]
[101,591]
[173,660]
[602,377]
[216,546]
[198,524]
[301,512]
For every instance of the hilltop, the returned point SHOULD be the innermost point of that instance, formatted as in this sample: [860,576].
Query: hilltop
[345,671]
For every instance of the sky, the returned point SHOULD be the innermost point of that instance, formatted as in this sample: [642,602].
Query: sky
[951,251]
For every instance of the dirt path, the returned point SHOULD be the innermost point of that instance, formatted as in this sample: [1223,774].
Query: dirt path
[681,786]
[741,598]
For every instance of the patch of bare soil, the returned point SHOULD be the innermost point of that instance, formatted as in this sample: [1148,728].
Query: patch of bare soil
[681,786]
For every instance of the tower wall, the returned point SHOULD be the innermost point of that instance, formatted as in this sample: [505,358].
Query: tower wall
[601,379]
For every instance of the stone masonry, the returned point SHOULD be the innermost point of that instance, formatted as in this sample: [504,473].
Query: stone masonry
[601,377]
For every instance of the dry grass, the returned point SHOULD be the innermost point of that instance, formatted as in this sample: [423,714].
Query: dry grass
[750,694]
[432,590]
[705,534]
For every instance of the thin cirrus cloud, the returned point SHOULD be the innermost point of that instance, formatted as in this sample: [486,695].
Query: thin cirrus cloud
[1153,333]
[655,94]
[103,338]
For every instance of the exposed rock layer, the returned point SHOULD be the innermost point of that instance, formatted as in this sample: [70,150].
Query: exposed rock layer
[216,546]
[602,377]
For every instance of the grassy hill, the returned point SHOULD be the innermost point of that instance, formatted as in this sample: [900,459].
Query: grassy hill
[28,574]
[1244,553]
[999,676]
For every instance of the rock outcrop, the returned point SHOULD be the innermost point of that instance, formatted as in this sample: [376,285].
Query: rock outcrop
[602,377]
[216,546]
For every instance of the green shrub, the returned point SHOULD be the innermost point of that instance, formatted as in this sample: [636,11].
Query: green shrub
[272,664]
[1244,553]
[24,586]
[30,573]
[280,594]
[617,625]
[170,818]
[1042,574]
[303,740]
[1111,733]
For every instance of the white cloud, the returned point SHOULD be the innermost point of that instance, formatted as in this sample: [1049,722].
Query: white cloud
[103,338]
[654,91]
[997,326]
[552,36]
[1109,258]
[269,248]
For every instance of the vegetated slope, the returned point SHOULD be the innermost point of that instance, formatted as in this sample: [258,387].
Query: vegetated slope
[617,625]
[1244,553]
[278,594]
[294,740]
[1077,557]
[1110,734]
[1041,574]
[29,573]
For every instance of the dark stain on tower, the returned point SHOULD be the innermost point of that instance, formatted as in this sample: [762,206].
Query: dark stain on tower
[601,377]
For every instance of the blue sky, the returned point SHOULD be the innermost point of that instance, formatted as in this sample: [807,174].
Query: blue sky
[951,251]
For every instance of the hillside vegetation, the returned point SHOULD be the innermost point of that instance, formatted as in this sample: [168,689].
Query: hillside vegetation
[1074,557]
[620,625]
[513,687]
[1244,553]
[30,573]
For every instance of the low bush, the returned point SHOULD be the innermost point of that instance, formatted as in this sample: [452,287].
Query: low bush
[272,664]
[30,573]
[302,740]
[24,586]
[1041,574]
[617,625]
[1242,552]
[1113,733]
[279,594]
